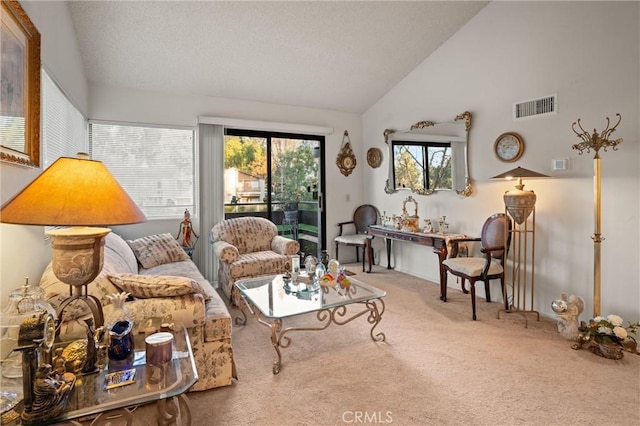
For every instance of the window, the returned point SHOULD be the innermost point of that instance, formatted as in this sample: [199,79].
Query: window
[155,165]
[64,128]
[421,165]
[278,176]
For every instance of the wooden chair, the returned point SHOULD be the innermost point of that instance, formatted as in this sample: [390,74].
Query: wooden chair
[486,268]
[363,216]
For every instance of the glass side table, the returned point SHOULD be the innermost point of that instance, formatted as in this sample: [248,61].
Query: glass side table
[166,384]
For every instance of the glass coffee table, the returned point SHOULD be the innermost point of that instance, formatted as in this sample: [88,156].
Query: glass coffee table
[166,384]
[271,300]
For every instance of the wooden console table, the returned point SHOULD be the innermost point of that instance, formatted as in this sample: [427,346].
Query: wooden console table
[437,241]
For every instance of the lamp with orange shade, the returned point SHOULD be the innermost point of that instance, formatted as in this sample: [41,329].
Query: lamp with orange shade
[79,193]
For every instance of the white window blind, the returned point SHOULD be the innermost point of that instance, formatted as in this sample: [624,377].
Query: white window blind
[64,128]
[154,165]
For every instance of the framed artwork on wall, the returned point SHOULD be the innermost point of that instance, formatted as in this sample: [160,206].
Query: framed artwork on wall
[20,87]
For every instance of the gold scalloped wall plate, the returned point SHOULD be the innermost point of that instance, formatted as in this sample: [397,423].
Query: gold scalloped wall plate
[374,157]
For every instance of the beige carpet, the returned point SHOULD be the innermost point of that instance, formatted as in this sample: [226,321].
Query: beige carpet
[437,367]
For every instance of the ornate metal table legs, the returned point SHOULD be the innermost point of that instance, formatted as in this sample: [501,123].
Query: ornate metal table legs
[373,309]
[174,411]
[171,411]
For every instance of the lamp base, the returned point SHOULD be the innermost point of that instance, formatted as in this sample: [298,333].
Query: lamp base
[78,254]
[519,204]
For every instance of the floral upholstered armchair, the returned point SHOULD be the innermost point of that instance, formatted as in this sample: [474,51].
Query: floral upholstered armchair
[249,247]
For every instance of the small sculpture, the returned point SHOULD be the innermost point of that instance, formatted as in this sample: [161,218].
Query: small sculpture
[384,219]
[428,226]
[443,226]
[81,355]
[59,363]
[50,394]
[186,230]
[568,310]
[310,263]
[93,336]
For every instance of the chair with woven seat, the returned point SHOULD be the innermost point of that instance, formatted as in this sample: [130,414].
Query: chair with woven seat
[486,268]
[363,216]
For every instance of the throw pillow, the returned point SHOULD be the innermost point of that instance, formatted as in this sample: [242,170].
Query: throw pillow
[157,250]
[150,286]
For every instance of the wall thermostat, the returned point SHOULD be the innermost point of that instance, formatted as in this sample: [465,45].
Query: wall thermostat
[562,164]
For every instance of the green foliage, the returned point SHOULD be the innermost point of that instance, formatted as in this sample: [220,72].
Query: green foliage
[439,168]
[412,172]
[247,154]
[293,171]
[408,174]
[293,166]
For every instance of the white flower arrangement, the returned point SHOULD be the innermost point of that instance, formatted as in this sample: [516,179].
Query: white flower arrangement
[609,329]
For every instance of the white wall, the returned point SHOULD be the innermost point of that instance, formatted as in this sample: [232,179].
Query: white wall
[514,51]
[23,249]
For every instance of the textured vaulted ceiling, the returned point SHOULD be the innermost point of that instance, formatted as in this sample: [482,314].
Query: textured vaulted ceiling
[333,55]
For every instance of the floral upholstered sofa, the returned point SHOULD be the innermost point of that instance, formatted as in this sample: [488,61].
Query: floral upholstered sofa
[249,247]
[164,283]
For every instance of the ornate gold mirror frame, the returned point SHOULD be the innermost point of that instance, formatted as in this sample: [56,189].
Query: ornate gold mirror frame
[454,134]
[20,100]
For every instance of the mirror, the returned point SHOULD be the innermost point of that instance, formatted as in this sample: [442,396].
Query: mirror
[430,157]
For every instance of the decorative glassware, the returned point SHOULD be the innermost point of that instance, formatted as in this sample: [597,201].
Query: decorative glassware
[23,303]
[320,270]
[324,258]
[333,267]
[310,265]
[118,311]
[120,340]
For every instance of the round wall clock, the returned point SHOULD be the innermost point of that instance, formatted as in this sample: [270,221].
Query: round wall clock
[374,157]
[508,147]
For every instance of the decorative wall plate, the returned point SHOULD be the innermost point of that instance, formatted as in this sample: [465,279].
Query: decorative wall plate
[346,161]
[374,157]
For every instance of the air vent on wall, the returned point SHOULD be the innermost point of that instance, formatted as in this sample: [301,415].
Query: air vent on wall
[535,107]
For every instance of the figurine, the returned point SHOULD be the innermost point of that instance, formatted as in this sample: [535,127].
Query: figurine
[186,229]
[92,347]
[442,225]
[397,222]
[310,264]
[59,363]
[50,394]
[568,310]
[385,219]
[428,226]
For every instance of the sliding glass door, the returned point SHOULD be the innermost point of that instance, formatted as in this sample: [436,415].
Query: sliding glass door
[280,177]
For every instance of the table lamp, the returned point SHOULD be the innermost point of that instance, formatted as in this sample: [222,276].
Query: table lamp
[78,193]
